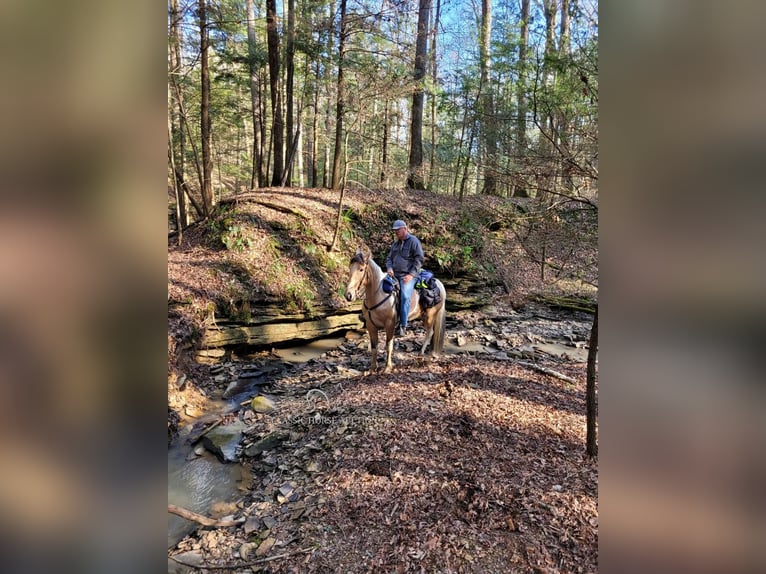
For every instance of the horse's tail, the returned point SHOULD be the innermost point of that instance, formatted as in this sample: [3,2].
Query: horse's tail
[440,324]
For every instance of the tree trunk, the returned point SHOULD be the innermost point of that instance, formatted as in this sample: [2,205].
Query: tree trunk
[339,108]
[463,182]
[207,158]
[384,137]
[434,78]
[314,128]
[328,101]
[415,175]
[548,174]
[519,186]
[564,30]
[177,130]
[471,134]
[591,405]
[291,155]
[562,122]
[276,105]
[339,213]
[463,127]
[256,176]
[290,85]
[176,188]
[487,125]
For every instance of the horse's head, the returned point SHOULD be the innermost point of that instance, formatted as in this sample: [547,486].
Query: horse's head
[357,280]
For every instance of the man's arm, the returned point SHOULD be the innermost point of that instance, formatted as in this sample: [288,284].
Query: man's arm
[390,262]
[417,258]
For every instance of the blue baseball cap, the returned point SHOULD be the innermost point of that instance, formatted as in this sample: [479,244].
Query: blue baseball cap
[398,224]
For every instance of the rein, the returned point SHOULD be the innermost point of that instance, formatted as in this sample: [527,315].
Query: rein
[377,304]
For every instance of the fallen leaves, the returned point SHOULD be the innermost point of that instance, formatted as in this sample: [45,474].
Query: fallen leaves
[464,464]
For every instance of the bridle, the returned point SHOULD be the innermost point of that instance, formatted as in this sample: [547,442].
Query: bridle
[365,279]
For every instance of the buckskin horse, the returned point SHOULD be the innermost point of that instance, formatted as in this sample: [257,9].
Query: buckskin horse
[380,309]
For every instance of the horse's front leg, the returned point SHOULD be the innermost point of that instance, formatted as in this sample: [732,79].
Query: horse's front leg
[389,347]
[373,332]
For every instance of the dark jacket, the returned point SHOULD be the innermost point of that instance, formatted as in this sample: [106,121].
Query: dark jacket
[406,256]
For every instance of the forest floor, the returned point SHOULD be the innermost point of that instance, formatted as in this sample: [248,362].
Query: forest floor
[470,462]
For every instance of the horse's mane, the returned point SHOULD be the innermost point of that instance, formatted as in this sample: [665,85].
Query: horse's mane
[374,266]
[359,257]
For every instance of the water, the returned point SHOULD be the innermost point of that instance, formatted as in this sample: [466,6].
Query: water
[202,482]
[312,350]
[196,485]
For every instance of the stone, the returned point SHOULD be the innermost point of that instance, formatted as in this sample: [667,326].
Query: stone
[269,522]
[252,524]
[271,331]
[286,489]
[262,404]
[247,549]
[269,442]
[192,558]
[223,440]
[265,546]
[234,387]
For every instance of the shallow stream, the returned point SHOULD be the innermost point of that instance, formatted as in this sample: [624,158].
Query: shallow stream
[197,480]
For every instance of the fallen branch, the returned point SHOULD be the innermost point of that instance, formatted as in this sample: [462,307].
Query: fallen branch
[243,564]
[208,429]
[547,371]
[195,438]
[268,204]
[203,520]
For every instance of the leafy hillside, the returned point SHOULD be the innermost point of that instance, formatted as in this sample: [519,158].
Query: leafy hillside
[272,247]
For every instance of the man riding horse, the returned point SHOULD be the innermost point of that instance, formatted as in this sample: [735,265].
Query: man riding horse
[404,262]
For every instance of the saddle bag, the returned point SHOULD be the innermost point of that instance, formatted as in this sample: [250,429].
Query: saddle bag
[428,289]
[388,284]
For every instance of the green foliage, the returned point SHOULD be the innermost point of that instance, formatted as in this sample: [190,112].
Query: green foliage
[457,246]
[236,239]
[300,295]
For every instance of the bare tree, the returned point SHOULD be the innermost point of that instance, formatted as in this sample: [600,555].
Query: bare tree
[176,115]
[292,136]
[434,79]
[315,127]
[341,96]
[384,138]
[547,177]
[488,128]
[519,186]
[276,105]
[207,158]
[256,178]
[415,176]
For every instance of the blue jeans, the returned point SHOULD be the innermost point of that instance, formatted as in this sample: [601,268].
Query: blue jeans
[405,294]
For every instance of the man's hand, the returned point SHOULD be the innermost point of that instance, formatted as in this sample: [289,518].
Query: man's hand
[407,278]
[390,272]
